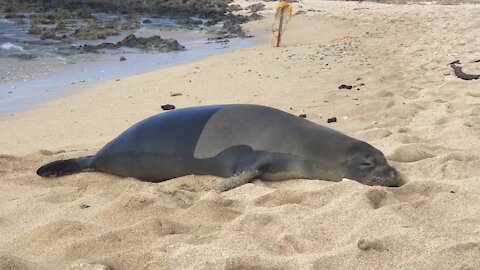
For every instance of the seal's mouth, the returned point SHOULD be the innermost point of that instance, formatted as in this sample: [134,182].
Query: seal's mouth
[389,178]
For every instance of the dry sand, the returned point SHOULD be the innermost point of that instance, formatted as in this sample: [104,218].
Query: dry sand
[408,104]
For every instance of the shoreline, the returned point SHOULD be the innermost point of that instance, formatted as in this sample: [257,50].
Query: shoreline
[57,69]
[18,96]
[404,100]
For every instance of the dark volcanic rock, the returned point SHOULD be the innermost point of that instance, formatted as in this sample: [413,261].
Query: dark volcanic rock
[73,19]
[19,21]
[35,30]
[233,8]
[344,86]
[47,34]
[42,19]
[94,31]
[204,8]
[61,14]
[61,26]
[256,7]
[102,46]
[84,12]
[332,120]
[300,12]
[255,16]
[189,23]
[232,26]
[130,25]
[150,43]
[167,107]
[14,16]
[211,22]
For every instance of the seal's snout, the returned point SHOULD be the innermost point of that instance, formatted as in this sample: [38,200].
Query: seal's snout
[393,178]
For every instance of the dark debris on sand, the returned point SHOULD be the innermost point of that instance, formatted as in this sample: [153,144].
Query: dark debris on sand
[168,107]
[332,120]
[457,70]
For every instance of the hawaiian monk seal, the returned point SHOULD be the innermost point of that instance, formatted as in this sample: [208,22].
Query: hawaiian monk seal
[241,142]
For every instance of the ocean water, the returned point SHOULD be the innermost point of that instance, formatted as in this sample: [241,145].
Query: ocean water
[34,71]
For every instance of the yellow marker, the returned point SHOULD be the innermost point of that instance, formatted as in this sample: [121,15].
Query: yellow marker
[284,9]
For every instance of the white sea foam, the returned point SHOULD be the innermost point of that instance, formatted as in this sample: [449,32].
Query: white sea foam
[7,46]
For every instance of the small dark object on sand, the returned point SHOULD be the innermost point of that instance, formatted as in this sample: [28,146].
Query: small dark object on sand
[462,75]
[175,94]
[167,107]
[122,58]
[456,62]
[332,120]
[303,115]
[344,86]
[363,245]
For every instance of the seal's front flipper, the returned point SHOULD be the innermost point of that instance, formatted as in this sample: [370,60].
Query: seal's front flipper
[65,167]
[239,179]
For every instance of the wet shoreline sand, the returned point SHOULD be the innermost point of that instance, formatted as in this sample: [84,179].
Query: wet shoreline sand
[55,78]
[34,69]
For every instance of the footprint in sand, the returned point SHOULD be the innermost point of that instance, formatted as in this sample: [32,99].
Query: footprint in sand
[464,248]
[280,197]
[264,221]
[50,153]
[374,134]
[211,211]
[62,229]
[8,164]
[413,192]
[404,138]
[258,262]
[366,245]
[313,199]
[62,197]
[129,238]
[410,153]
[378,198]
[10,262]
[472,123]
[89,266]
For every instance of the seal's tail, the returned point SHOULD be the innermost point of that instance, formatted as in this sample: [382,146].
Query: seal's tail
[65,167]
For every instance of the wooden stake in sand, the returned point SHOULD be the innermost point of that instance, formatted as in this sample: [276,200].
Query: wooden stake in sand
[284,9]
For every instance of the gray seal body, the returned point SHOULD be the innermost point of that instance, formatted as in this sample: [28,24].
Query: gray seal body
[241,142]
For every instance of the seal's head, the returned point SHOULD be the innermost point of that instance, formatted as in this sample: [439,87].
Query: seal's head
[367,165]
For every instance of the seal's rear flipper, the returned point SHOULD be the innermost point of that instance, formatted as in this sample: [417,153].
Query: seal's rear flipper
[240,178]
[65,167]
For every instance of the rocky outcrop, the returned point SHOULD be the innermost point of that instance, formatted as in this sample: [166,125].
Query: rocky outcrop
[206,8]
[95,32]
[153,43]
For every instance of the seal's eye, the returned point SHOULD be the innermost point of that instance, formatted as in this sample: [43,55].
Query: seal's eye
[366,165]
